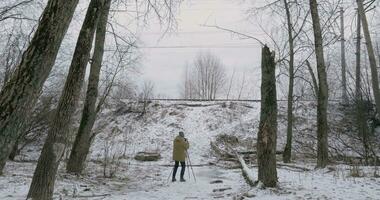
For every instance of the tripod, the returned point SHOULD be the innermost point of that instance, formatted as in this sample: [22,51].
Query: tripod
[191,166]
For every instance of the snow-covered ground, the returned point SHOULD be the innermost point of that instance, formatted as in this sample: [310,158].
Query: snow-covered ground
[123,133]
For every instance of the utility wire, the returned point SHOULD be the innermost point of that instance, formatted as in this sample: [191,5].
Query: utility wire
[222,46]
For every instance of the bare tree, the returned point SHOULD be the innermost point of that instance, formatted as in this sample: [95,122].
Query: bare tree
[146,93]
[43,181]
[322,134]
[187,87]
[124,89]
[241,86]
[371,54]
[206,77]
[230,85]
[36,125]
[85,136]
[289,131]
[11,55]
[20,94]
[13,11]
[82,142]
[343,58]
[267,135]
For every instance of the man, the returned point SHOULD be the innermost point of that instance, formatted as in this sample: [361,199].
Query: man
[180,146]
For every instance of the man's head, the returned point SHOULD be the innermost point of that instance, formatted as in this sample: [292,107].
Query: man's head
[181,134]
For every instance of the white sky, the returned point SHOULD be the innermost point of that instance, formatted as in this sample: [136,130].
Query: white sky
[164,57]
[165,66]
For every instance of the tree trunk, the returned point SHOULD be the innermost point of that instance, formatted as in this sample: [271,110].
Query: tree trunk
[82,142]
[14,151]
[267,136]
[289,131]
[371,54]
[314,80]
[42,185]
[230,85]
[358,93]
[322,135]
[343,58]
[20,93]
[361,118]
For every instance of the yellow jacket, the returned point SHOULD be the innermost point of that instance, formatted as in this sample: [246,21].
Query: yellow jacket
[180,145]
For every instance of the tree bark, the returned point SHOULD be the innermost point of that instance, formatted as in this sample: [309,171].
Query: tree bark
[314,80]
[14,151]
[322,134]
[83,138]
[267,135]
[358,92]
[371,54]
[20,93]
[289,130]
[343,58]
[361,118]
[42,185]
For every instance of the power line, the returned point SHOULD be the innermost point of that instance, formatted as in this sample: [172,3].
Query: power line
[198,46]
[227,100]
[215,46]
[175,33]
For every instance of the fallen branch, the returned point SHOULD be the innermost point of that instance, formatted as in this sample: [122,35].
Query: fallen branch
[244,168]
[255,152]
[198,165]
[221,189]
[293,166]
[288,166]
[196,105]
[92,196]
[246,172]
[221,152]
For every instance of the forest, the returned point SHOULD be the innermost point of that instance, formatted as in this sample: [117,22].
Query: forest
[241,99]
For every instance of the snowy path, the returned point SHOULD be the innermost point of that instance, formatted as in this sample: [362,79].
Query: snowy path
[145,182]
[158,188]
[149,182]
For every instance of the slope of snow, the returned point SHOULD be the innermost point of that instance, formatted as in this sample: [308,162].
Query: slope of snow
[123,133]
[320,184]
[156,130]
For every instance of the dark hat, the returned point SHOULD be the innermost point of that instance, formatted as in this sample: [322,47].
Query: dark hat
[181,134]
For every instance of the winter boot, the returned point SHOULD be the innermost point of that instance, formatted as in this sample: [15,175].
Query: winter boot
[174,180]
[182,180]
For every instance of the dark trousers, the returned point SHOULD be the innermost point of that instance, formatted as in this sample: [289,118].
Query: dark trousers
[183,167]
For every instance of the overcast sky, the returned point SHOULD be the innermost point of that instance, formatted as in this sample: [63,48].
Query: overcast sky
[164,59]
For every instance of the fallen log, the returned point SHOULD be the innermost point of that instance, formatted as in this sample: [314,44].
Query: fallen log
[247,174]
[171,165]
[196,105]
[293,166]
[196,165]
[255,152]
[221,152]
[221,189]
[92,196]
